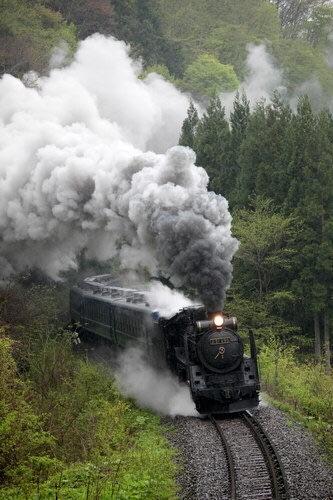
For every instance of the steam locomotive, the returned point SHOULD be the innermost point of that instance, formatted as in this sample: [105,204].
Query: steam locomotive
[203,350]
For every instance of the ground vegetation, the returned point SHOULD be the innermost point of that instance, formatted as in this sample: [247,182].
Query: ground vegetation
[65,431]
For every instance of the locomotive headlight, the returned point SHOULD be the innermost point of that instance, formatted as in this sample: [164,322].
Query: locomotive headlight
[218,320]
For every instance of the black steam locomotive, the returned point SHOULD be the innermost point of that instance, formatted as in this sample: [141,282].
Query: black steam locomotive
[203,350]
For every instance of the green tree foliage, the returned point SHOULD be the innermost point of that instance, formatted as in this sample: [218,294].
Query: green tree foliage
[206,76]
[28,34]
[162,70]
[296,14]
[239,119]
[264,154]
[263,267]
[285,260]
[225,28]
[229,43]
[301,62]
[320,26]
[137,22]
[267,248]
[212,142]
[175,35]
[191,22]
[312,199]
[189,127]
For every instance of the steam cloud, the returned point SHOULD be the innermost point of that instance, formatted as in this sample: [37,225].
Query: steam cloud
[168,302]
[157,390]
[73,175]
[263,78]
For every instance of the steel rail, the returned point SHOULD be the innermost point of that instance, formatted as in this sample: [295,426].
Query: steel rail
[230,460]
[275,468]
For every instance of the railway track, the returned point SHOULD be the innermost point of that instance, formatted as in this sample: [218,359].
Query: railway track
[255,470]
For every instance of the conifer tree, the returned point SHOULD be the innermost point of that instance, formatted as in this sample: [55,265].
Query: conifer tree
[239,118]
[310,196]
[212,144]
[264,154]
[187,137]
[250,158]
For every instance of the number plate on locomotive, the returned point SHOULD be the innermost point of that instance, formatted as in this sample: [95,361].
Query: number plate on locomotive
[220,340]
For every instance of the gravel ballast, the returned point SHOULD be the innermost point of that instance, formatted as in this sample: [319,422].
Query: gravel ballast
[204,472]
[308,474]
[204,469]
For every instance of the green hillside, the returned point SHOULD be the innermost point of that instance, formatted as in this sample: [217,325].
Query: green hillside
[198,42]
[225,28]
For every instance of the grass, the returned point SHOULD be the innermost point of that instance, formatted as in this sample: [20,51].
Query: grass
[65,431]
[303,390]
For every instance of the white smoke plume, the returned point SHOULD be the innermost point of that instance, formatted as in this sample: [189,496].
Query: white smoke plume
[156,389]
[168,302]
[73,175]
[263,78]
[60,55]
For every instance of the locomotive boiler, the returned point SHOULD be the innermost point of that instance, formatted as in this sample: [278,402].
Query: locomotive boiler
[202,349]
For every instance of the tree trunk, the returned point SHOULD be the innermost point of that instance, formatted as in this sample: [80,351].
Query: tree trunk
[327,349]
[317,337]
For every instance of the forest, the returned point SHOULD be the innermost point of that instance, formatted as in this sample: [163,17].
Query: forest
[272,159]
[202,48]
[274,165]
[273,162]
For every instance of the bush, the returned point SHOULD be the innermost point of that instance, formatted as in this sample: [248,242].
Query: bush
[25,447]
[65,431]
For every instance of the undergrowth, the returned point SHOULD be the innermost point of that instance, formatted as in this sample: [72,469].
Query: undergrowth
[65,431]
[303,390]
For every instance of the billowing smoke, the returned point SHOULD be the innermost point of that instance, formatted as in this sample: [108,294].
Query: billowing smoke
[74,177]
[263,78]
[158,390]
[168,302]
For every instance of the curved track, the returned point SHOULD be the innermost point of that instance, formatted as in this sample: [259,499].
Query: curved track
[255,470]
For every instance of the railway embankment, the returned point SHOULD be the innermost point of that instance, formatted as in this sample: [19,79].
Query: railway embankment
[204,463]
[304,390]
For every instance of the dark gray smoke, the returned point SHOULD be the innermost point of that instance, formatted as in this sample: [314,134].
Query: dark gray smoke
[73,176]
[187,249]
